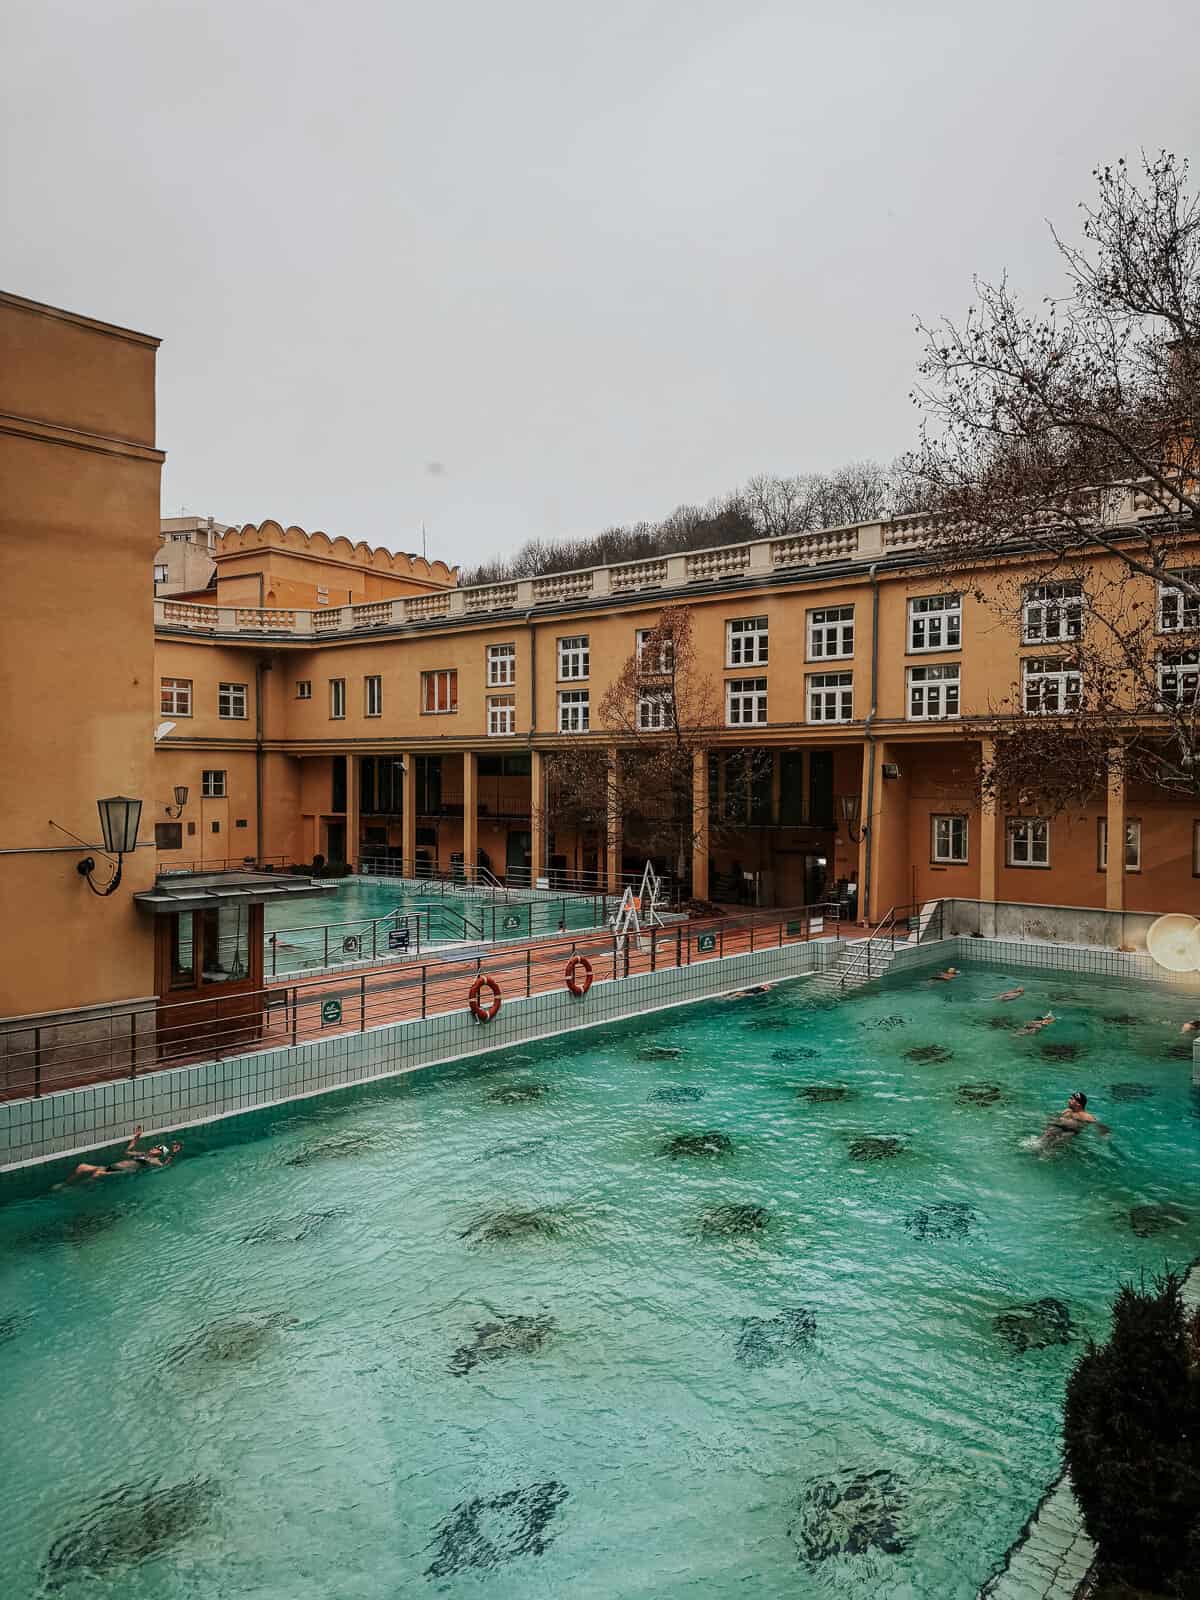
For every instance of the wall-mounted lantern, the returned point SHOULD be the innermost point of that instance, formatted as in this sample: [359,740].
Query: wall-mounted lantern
[850,806]
[181,795]
[119,819]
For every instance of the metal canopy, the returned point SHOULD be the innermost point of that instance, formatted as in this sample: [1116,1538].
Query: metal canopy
[201,891]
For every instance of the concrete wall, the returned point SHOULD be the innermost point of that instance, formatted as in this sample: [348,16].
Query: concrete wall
[1069,925]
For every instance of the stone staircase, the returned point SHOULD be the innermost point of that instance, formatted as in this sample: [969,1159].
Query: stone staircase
[858,965]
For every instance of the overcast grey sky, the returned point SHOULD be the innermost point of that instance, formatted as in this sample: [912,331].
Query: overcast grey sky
[540,267]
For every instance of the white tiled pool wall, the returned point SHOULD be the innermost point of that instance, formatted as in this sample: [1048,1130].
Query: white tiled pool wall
[78,1120]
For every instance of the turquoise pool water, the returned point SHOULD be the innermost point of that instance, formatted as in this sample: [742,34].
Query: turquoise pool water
[301,944]
[493,1332]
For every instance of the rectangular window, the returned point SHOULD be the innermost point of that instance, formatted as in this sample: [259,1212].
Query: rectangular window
[501,665]
[1133,845]
[168,835]
[932,693]
[175,697]
[1179,612]
[304,689]
[501,714]
[439,692]
[574,657]
[745,702]
[654,711]
[1028,840]
[949,839]
[831,697]
[160,573]
[652,662]
[935,622]
[831,633]
[574,715]
[373,695]
[1051,686]
[1179,678]
[1051,612]
[231,701]
[746,642]
[337,698]
[212,783]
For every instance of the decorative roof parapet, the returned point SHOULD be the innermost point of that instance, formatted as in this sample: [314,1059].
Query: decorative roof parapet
[273,535]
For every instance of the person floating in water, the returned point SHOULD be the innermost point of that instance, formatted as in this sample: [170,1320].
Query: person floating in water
[1009,994]
[134,1160]
[945,977]
[1069,1122]
[1191,1027]
[1038,1024]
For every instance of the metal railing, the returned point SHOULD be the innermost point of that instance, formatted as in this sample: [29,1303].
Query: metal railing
[169,862]
[120,1043]
[899,922]
[401,936]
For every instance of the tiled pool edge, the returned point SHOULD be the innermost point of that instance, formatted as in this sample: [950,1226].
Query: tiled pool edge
[75,1121]
[1052,1557]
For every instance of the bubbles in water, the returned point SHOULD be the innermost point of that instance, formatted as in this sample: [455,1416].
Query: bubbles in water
[127,1526]
[823,1093]
[978,1094]
[696,1144]
[733,1221]
[517,1094]
[484,1533]
[764,1340]
[946,1219]
[1130,1091]
[929,1052]
[1149,1220]
[291,1230]
[517,1335]
[503,1227]
[659,1052]
[1035,1325]
[677,1095]
[850,1515]
[876,1148]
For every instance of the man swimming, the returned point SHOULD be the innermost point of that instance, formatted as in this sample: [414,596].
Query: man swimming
[134,1160]
[1037,1024]
[1009,994]
[1069,1122]
[945,977]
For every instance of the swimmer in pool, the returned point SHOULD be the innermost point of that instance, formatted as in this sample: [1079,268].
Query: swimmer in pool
[1069,1122]
[944,977]
[1191,1027]
[1009,994]
[134,1160]
[1038,1024]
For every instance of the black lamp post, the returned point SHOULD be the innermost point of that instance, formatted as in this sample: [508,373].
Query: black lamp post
[181,795]
[119,819]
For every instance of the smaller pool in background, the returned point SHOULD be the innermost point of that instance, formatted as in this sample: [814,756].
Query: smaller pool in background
[307,935]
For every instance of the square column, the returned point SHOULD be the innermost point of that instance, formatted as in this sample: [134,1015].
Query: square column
[408,816]
[700,825]
[470,813]
[353,823]
[988,829]
[1114,875]
[537,818]
[612,841]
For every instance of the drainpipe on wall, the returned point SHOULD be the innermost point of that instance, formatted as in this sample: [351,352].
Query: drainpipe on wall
[865,896]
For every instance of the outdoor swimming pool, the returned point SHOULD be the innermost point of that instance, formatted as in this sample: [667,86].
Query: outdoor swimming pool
[757,1297]
[301,942]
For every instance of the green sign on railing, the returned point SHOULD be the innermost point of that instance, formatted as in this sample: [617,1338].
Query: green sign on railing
[511,921]
[706,942]
[331,1011]
[795,928]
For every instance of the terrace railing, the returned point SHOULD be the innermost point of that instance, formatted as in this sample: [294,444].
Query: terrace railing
[113,1043]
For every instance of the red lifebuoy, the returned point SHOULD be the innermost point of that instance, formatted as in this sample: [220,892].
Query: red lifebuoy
[481,1012]
[577,987]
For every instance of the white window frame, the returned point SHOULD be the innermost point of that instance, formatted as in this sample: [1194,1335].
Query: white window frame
[337,699]
[746,642]
[574,658]
[745,702]
[666,654]
[445,703]
[501,715]
[574,711]
[1052,613]
[179,691]
[654,713]
[1133,844]
[501,666]
[303,688]
[1178,612]
[229,697]
[934,623]
[1178,678]
[1025,839]
[161,572]
[829,696]
[373,695]
[1050,687]
[831,633]
[949,839]
[214,784]
[933,692]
